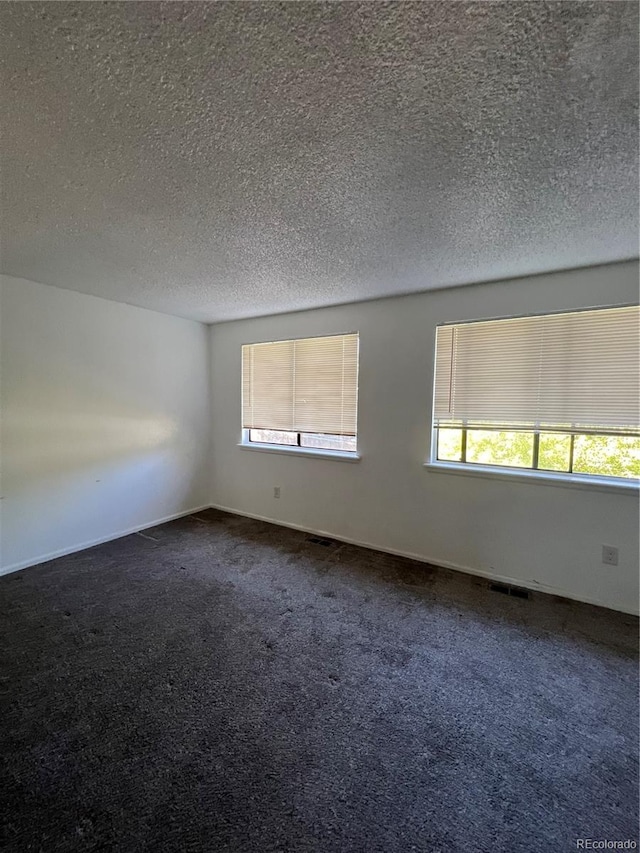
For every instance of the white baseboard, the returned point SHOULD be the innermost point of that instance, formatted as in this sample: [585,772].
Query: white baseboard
[445,564]
[63,552]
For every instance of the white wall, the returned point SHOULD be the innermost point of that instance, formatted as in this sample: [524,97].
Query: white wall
[105,420]
[542,536]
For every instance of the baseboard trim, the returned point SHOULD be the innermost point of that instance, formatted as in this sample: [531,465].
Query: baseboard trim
[63,552]
[445,564]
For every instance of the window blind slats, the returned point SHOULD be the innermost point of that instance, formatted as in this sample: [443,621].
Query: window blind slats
[577,370]
[306,385]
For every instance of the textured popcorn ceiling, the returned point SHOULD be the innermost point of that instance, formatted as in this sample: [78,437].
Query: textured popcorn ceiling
[218,160]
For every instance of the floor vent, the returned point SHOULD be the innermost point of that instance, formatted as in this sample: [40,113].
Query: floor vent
[321,540]
[519,592]
[505,589]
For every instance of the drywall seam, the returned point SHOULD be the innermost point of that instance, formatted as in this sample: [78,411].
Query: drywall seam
[534,586]
[63,552]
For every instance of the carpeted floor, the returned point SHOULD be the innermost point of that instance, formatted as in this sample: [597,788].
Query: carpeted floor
[220,684]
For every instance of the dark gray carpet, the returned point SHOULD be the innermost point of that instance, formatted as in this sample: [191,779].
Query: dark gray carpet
[223,684]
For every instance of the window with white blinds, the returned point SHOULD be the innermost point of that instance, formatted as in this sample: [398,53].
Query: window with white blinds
[294,392]
[570,374]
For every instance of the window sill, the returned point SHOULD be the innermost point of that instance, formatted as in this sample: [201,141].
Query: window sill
[570,481]
[338,455]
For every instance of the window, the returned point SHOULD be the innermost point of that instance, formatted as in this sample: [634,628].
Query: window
[555,393]
[301,393]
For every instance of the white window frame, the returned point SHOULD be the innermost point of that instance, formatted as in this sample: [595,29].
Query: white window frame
[296,450]
[592,482]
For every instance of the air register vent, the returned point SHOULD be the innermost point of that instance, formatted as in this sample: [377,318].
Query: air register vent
[322,540]
[506,589]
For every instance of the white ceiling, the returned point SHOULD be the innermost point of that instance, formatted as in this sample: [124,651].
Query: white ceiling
[224,160]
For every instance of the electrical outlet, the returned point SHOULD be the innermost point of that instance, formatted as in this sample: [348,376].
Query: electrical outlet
[276,491]
[609,555]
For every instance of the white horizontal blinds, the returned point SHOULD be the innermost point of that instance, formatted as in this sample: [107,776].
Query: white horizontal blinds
[578,370]
[443,399]
[307,385]
[267,385]
[325,387]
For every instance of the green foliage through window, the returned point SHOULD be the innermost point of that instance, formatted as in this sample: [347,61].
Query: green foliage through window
[554,452]
[596,455]
[490,447]
[607,455]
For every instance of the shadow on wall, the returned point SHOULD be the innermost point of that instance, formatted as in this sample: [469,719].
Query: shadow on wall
[77,469]
[34,445]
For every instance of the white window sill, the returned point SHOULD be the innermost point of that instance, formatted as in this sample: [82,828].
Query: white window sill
[316,453]
[546,478]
